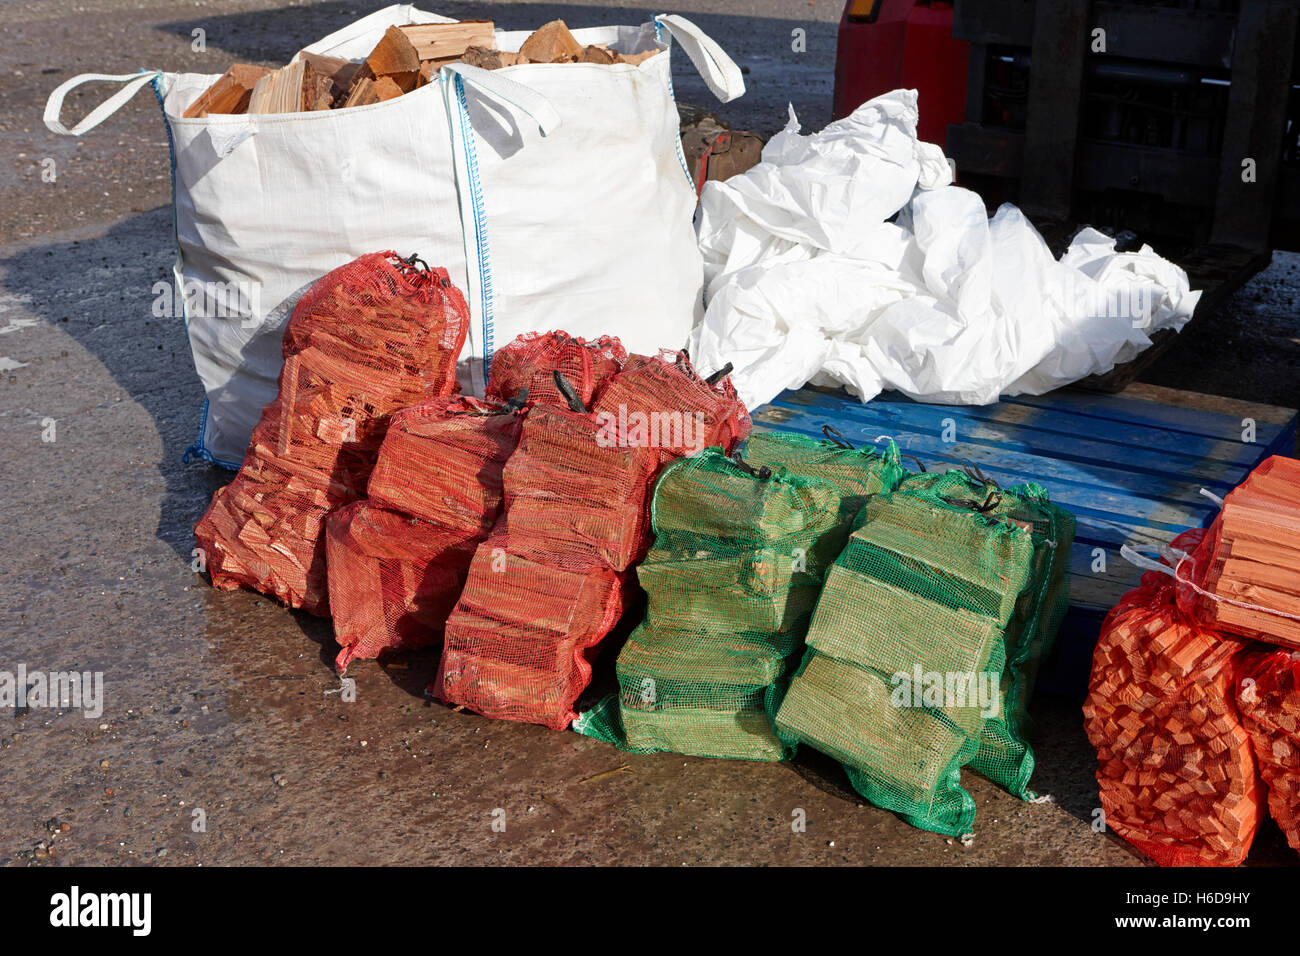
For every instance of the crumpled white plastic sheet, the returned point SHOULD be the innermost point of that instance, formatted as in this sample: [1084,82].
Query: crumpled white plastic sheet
[807,280]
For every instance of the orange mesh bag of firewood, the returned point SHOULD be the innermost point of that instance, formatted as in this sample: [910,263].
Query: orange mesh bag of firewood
[661,402]
[530,361]
[551,581]
[441,461]
[397,562]
[393,579]
[1268,696]
[520,642]
[1176,771]
[367,339]
[566,492]
[1244,577]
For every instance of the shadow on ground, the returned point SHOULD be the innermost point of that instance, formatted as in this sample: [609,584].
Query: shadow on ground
[102,291]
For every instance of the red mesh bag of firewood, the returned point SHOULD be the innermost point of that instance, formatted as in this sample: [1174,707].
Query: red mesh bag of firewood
[530,361]
[550,582]
[397,562]
[1176,768]
[520,641]
[367,339]
[566,492]
[393,579]
[661,402]
[1268,696]
[1244,577]
[441,461]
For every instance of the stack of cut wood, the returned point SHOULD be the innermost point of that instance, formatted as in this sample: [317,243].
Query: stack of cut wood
[567,493]
[1268,696]
[397,562]
[367,339]
[393,580]
[520,641]
[441,462]
[858,473]
[405,59]
[552,580]
[1251,557]
[1177,771]
[740,552]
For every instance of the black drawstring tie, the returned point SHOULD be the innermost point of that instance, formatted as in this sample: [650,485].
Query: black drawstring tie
[992,501]
[719,375]
[569,392]
[836,436]
[762,473]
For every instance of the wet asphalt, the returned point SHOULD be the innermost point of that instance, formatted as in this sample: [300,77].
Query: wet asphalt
[223,738]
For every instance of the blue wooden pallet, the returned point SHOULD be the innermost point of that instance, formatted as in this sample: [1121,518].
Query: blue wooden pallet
[1129,466]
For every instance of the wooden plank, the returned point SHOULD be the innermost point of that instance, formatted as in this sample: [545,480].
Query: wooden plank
[1038,422]
[1132,408]
[1126,482]
[1102,489]
[1020,429]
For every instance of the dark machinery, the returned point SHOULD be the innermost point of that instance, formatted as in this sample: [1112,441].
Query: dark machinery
[1175,120]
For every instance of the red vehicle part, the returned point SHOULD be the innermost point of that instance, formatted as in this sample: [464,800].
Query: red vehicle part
[887,45]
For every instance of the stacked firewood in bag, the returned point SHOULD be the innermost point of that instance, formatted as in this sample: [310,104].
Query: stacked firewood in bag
[398,561]
[554,577]
[405,59]
[1268,697]
[1177,771]
[372,337]
[1193,716]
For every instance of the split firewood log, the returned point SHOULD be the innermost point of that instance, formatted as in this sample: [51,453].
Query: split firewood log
[492,59]
[552,43]
[230,93]
[394,57]
[447,41]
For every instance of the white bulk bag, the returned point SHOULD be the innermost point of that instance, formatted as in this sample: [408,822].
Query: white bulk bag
[556,195]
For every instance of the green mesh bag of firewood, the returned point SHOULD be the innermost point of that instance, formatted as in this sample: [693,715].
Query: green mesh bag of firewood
[909,650]
[1005,754]
[732,579]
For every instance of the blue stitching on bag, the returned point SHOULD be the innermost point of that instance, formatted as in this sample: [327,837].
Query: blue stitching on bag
[197,450]
[480,226]
[681,154]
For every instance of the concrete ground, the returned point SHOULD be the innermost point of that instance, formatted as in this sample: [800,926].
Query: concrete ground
[226,703]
